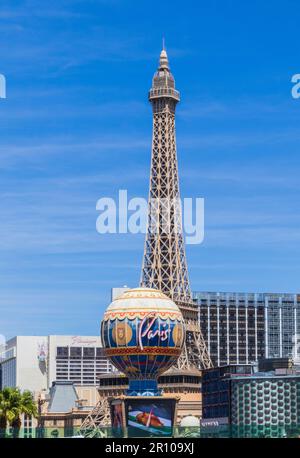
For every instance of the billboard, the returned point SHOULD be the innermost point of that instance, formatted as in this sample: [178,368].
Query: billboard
[150,417]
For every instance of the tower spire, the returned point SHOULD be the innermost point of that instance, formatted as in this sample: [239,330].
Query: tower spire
[163,60]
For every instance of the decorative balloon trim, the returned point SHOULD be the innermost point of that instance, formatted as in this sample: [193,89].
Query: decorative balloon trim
[132,315]
[170,351]
[141,293]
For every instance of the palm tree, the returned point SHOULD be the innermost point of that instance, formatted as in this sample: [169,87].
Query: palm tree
[7,408]
[13,404]
[26,405]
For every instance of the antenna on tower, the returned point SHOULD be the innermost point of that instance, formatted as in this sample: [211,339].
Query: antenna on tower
[163,43]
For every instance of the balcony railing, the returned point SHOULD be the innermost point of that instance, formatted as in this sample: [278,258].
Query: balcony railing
[164,92]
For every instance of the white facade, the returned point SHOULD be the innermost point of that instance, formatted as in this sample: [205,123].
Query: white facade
[35,362]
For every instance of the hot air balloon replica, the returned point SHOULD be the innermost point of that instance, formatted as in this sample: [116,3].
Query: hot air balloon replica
[143,334]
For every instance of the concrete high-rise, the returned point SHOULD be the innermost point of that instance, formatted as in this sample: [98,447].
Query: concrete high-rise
[35,362]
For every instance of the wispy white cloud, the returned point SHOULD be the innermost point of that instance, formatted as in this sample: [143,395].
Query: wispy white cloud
[10,153]
[253,237]
[100,42]
[111,110]
[239,138]
[56,9]
[239,108]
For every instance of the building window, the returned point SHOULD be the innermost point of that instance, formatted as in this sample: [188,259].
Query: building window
[62,352]
[89,352]
[76,352]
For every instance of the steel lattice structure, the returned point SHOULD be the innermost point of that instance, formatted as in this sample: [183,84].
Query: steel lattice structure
[97,422]
[164,263]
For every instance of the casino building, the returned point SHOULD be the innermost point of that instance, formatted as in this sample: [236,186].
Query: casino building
[35,362]
[187,386]
[240,328]
[246,401]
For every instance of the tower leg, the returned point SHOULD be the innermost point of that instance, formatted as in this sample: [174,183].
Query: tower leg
[97,422]
[194,354]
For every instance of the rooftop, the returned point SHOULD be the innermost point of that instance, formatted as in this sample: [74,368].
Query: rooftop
[63,397]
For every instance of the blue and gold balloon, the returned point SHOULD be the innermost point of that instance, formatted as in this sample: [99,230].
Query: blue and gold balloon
[143,333]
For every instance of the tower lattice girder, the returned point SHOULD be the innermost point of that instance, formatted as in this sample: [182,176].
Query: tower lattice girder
[164,263]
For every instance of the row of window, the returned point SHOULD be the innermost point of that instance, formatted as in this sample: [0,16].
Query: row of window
[85,352]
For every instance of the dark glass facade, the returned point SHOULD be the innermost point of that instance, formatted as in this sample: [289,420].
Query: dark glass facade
[240,328]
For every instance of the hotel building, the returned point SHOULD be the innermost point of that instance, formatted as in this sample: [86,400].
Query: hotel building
[240,328]
[35,362]
[247,403]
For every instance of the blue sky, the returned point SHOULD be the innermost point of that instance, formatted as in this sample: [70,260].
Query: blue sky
[76,126]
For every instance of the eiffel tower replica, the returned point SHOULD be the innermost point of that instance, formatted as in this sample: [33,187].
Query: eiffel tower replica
[164,263]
